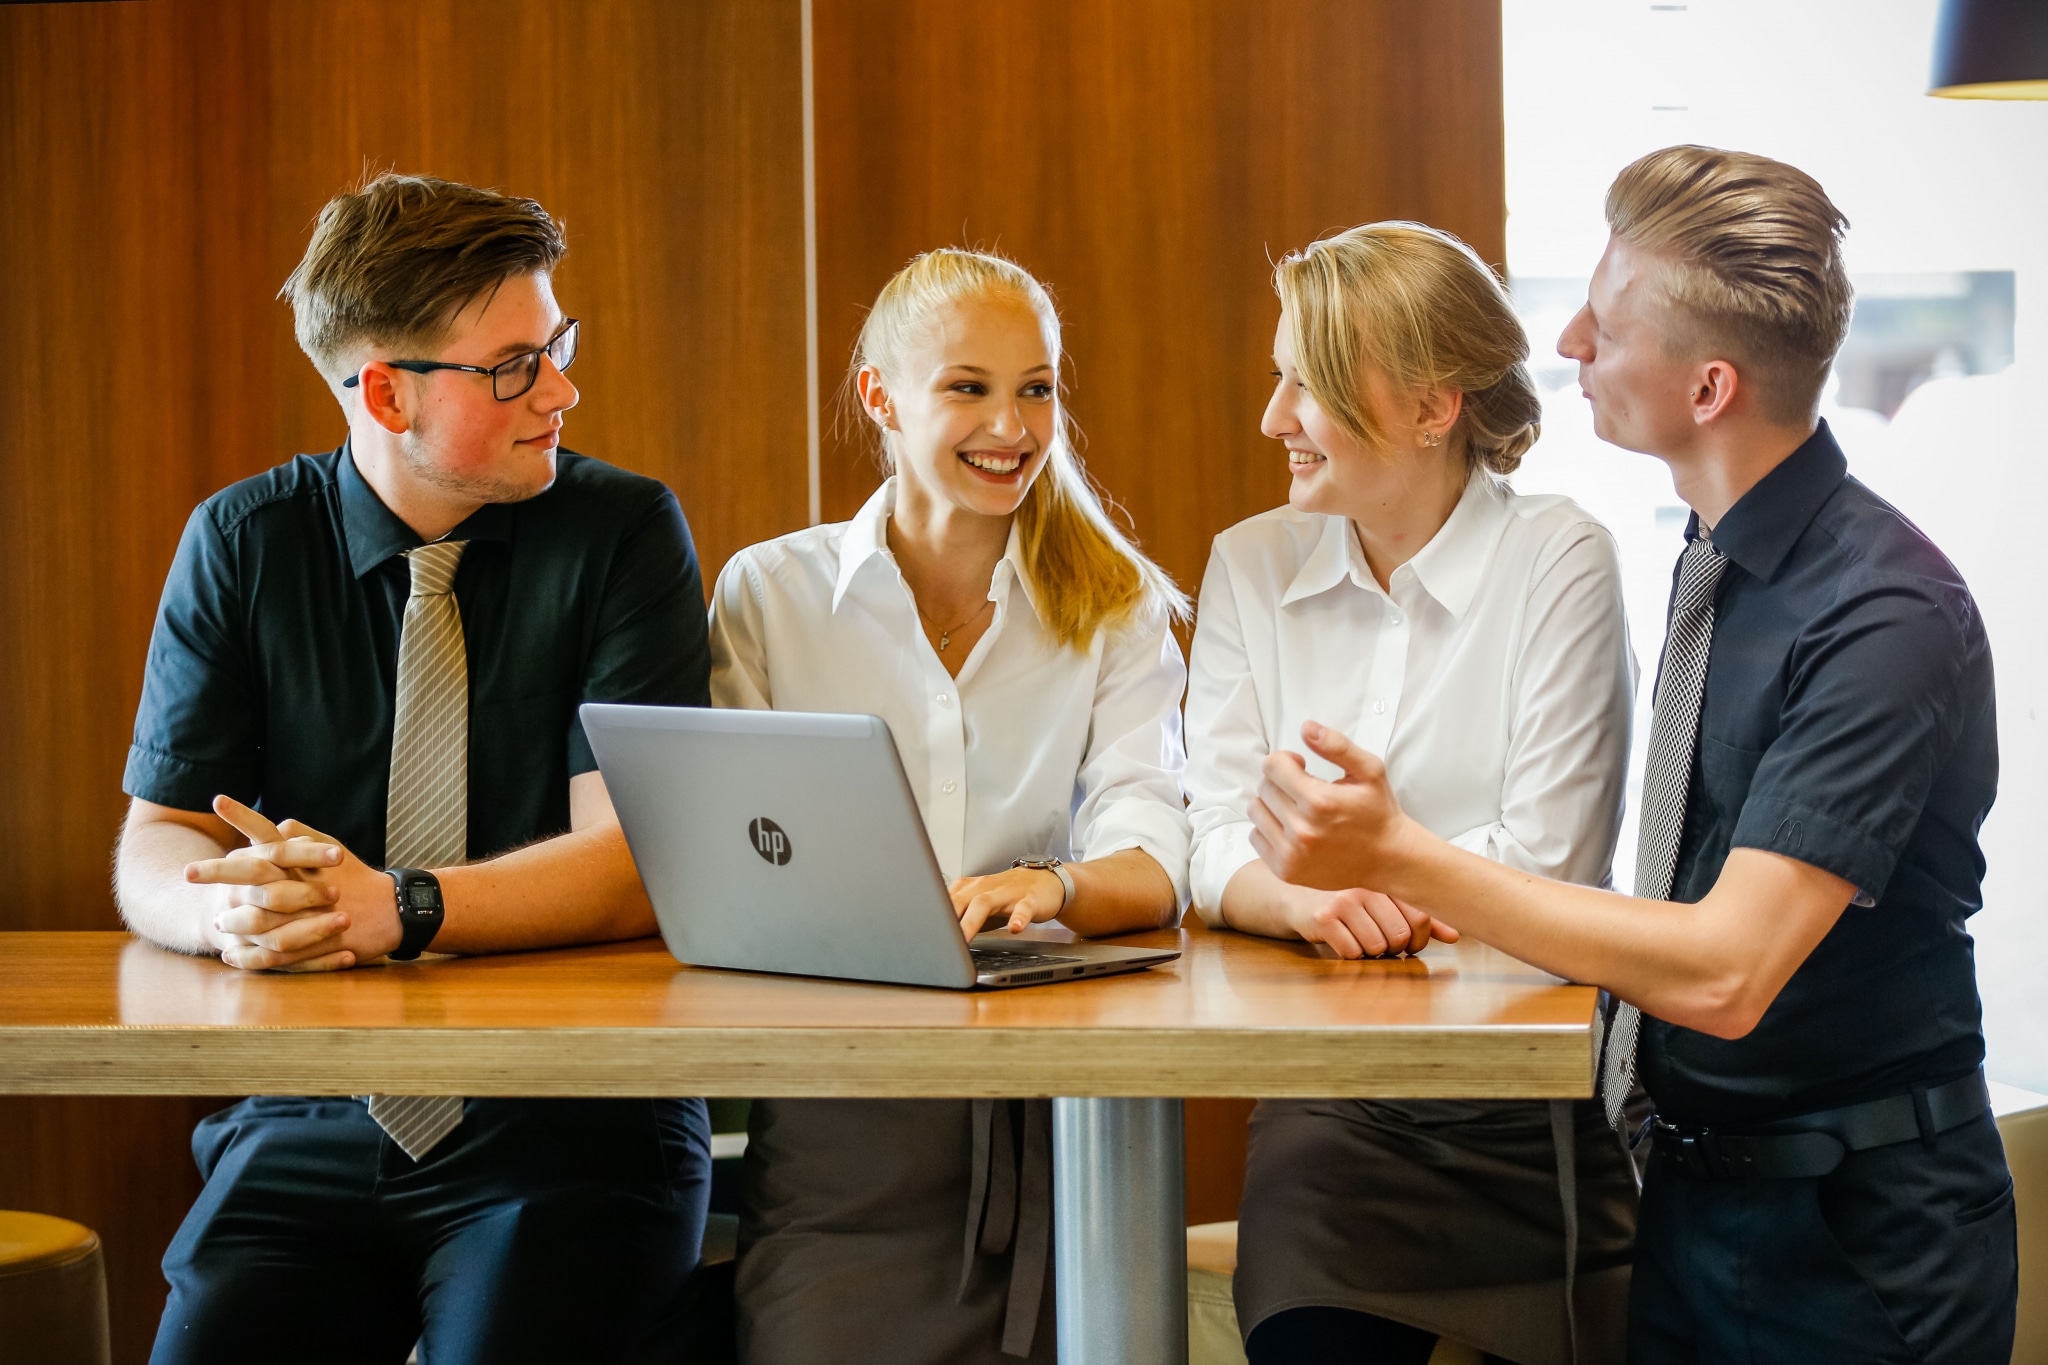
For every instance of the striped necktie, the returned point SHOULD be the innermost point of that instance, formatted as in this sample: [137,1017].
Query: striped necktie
[1674,734]
[426,821]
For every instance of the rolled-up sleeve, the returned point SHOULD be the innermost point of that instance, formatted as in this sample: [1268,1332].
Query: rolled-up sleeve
[1573,694]
[1228,743]
[199,728]
[1129,783]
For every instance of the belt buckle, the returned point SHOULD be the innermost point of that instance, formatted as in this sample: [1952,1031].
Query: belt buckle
[1695,1153]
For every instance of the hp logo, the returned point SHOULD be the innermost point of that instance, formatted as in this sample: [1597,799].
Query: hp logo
[769,841]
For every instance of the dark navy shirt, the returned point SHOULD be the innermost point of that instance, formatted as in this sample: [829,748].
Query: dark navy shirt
[272,671]
[1848,723]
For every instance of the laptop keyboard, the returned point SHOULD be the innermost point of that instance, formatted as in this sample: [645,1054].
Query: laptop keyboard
[1009,959]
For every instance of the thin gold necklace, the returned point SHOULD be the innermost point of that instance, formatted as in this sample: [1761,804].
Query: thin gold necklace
[946,634]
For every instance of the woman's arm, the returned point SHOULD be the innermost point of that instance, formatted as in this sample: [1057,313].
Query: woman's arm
[1123,893]
[1130,826]
[1573,699]
[739,651]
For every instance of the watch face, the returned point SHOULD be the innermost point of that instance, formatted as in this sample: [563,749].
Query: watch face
[420,896]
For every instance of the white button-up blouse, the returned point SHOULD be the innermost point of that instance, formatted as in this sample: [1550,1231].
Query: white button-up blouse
[1035,750]
[1495,679]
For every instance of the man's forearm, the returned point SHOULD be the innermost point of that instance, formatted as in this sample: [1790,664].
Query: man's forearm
[581,887]
[150,887]
[1714,966]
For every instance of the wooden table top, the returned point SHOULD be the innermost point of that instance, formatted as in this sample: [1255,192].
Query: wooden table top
[107,1014]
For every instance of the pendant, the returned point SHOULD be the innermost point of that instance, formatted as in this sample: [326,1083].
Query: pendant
[945,638]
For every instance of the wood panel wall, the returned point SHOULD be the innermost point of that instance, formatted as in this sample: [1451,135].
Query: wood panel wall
[160,165]
[1146,159]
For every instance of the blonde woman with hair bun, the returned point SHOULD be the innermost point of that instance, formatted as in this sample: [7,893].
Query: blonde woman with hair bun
[1475,640]
[1021,649]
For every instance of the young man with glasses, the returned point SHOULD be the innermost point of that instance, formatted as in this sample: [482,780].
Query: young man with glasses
[381,650]
[1794,977]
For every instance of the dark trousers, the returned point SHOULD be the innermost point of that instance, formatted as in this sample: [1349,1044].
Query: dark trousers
[1902,1253]
[539,1230]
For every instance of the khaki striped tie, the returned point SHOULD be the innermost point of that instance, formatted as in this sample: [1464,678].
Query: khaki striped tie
[426,821]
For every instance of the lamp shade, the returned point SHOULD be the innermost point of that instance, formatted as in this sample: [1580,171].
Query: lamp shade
[1991,50]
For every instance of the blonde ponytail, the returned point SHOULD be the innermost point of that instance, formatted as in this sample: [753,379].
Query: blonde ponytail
[1086,574]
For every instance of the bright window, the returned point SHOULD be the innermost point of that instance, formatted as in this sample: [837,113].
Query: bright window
[1945,201]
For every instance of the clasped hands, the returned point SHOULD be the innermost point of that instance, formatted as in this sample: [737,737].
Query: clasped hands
[1340,838]
[295,900]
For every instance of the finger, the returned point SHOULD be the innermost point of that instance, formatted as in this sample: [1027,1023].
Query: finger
[1393,925]
[1443,931]
[302,933]
[299,852]
[286,898]
[254,825]
[237,869]
[1285,784]
[1412,934]
[1337,747]
[250,920]
[979,908]
[1332,930]
[1372,940]
[254,957]
[299,829]
[330,962]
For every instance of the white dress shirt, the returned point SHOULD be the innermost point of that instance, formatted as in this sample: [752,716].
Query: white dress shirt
[1035,750]
[1495,679]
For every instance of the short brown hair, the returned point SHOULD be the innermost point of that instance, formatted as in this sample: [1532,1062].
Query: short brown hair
[1753,256]
[1420,306]
[393,262]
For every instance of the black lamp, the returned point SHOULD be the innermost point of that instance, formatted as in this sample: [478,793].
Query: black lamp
[1991,50]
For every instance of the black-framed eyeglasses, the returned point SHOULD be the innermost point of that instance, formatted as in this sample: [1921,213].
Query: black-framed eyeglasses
[509,378]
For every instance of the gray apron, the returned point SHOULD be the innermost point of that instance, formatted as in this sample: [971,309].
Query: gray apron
[900,1230]
[1460,1217]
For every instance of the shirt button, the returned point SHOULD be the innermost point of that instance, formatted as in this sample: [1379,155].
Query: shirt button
[1379,708]
[950,788]
[1397,621]
[945,699]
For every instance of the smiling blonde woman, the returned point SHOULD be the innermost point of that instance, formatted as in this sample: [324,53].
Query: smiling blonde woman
[1021,650]
[1474,639]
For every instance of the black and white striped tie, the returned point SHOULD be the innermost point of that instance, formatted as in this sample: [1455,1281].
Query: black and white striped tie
[1674,734]
[426,821]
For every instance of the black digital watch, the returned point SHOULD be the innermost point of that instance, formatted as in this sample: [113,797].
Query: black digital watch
[419,910]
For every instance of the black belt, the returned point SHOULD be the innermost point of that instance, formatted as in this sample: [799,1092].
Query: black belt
[1814,1144]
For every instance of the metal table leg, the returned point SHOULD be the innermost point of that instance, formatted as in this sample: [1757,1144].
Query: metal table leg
[1120,1232]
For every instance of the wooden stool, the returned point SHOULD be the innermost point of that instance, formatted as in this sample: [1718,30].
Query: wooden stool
[53,1291]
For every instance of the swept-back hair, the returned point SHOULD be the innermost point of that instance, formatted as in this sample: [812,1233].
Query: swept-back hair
[1086,573]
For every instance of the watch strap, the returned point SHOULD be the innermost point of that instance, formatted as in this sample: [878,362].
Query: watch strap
[1058,869]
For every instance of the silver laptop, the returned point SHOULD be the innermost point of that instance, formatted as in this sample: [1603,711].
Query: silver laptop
[788,841]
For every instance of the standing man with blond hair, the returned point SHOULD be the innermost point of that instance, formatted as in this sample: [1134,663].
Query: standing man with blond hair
[358,740]
[1793,980]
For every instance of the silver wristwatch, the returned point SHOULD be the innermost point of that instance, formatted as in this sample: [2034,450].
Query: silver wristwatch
[1058,869]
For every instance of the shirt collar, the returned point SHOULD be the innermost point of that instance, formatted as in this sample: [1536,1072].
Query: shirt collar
[374,533]
[1763,525]
[867,537]
[1449,567]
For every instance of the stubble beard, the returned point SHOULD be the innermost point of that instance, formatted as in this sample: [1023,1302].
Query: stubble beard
[417,452]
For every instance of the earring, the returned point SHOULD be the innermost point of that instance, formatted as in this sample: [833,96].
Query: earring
[1432,438]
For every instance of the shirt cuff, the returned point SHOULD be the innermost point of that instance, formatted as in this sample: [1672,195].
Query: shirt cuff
[1217,859]
[1143,823]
